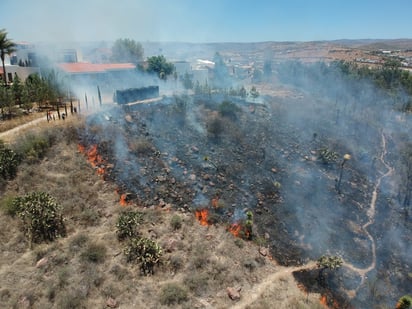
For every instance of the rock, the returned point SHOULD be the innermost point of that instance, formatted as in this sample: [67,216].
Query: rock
[192,177]
[111,302]
[170,245]
[263,251]
[42,262]
[233,293]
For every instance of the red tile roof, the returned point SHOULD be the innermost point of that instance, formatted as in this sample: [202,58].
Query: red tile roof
[84,67]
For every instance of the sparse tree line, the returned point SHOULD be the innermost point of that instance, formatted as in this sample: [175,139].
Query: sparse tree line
[40,91]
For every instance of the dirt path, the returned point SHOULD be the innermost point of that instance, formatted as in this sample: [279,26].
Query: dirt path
[371,215]
[253,294]
[6,135]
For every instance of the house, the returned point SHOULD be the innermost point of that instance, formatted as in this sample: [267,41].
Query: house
[97,73]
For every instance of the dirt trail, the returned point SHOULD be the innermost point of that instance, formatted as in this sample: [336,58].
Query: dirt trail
[9,133]
[371,215]
[258,289]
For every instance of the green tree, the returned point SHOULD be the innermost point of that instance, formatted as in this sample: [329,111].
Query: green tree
[254,93]
[243,92]
[160,66]
[9,162]
[145,251]
[405,302]
[327,262]
[127,50]
[17,89]
[6,48]
[6,101]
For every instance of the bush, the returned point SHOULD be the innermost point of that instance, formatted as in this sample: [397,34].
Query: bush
[33,147]
[173,293]
[176,222]
[41,216]
[127,224]
[145,251]
[9,162]
[404,302]
[95,253]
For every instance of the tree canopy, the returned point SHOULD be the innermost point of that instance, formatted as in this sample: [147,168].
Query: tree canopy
[160,66]
[127,50]
[7,47]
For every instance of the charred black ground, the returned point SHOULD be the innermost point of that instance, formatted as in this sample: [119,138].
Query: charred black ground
[268,156]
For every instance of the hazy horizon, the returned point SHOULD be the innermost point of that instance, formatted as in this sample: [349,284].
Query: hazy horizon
[213,21]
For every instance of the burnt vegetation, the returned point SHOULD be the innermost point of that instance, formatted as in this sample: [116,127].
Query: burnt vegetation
[325,169]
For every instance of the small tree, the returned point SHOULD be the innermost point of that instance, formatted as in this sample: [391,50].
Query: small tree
[327,262]
[17,89]
[41,216]
[160,66]
[9,162]
[254,93]
[127,224]
[405,302]
[127,50]
[146,252]
[7,47]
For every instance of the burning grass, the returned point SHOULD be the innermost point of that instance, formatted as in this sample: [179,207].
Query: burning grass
[202,216]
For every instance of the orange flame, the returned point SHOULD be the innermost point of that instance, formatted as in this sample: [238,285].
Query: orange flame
[324,301]
[123,200]
[201,216]
[235,229]
[93,157]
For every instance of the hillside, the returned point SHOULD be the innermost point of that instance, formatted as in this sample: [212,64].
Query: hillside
[201,260]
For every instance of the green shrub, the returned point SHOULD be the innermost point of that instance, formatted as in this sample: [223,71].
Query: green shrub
[176,222]
[127,224]
[146,252]
[173,293]
[41,216]
[95,253]
[404,302]
[32,148]
[9,161]
[327,156]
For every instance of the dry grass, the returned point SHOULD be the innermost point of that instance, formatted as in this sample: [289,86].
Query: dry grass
[88,266]
[6,125]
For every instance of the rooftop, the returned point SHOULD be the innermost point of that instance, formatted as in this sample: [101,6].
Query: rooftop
[85,67]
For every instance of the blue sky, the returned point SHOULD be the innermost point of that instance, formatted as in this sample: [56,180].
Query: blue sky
[205,20]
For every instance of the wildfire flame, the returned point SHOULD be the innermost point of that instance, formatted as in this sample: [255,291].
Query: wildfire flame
[324,301]
[94,158]
[123,200]
[235,229]
[201,216]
